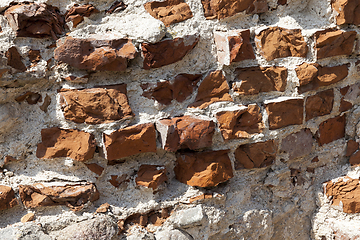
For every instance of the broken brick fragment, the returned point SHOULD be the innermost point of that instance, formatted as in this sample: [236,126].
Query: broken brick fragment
[347,11]
[77,13]
[319,104]
[7,197]
[351,147]
[116,7]
[151,176]
[14,59]
[30,97]
[331,130]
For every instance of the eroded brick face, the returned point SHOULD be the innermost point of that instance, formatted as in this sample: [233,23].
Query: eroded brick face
[319,104]
[298,144]
[151,176]
[331,130]
[347,11]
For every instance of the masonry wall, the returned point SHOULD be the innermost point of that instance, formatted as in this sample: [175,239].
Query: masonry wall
[195,119]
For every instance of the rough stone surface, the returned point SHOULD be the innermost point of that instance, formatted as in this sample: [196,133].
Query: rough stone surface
[7,197]
[169,11]
[151,176]
[223,9]
[254,80]
[331,130]
[14,59]
[240,123]
[57,142]
[255,155]
[128,141]
[319,104]
[172,234]
[214,88]
[96,55]
[77,13]
[347,11]
[277,42]
[167,51]
[185,133]
[190,217]
[285,112]
[203,169]
[96,105]
[298,144]
[332,42]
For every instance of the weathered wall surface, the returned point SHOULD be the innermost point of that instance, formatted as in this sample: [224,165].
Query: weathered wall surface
[195,119]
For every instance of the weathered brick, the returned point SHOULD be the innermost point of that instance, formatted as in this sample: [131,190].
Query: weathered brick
[331,130]
[298,144]
[351,147]
[77,13]
[7,197]
[185,133]
[71,143]
[14,59]
[203,169]
[214,88]
[332,42]
[240,123]
[129,141]
[277,42]
[95,168]
[255,155]
[347,11]
[167,51]
[151,176]
[169,11]
[319,104]
[284,112]
[349,95]
[96,105]
[254,80]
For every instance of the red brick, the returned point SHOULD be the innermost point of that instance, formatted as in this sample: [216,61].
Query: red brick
[331,130]
[77,13]
[319,104]
[347,11]
[151,176]
[7,198]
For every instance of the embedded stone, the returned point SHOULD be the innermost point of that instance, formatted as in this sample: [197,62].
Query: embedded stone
[227,8]
[254,80]
[118,181]
[28,217]
[7,198]
[30,97]
[14,59]
[282,2]
[354,159]
[102,104]
[331,130]
[348,93]
[46,103]
[167,51]
[203,169]
[73,196]
[233,46]
[34,56]
[35,20]
[331,42]
[96,54]
[347,11]
[77,13]
[95,168]
[351,147]
[72,143]
[284,112]
[103,208]
[240,123]
[345,190]
[277,42]
[214,88]
[116,7]
[255,155]
[298,144]
[312,76]
[319,104]
[169,11]
[129,141]
[177,89]
[151,176]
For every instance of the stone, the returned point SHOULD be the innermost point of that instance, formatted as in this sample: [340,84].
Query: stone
[240,123]
[46,103]
[282,2]
[347,11]
[214,88]
[95,168]
[227,8]
[313,76]
[277,42]
[28,217]
[73,196]
[103,208]
[233,46]
[185,133]
[77,13]
[96,54]
[254,80]
[177,89]
[345,190]
[118,181]
[28,231]
[298,144]
[332,42]
[351,147]
[151,176]
[7,198]
[30,97]
[319,104]
[331,130]
[255,155]
[14,59]
[190,217]
[354,159]
[97,105]
[285,112]
[34,56]
[116,7]
[203,169]
[100,228]
[129,141]
[169,11]
[72,143]
[9,159]
[172,235]
[167,51]
[35,20]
